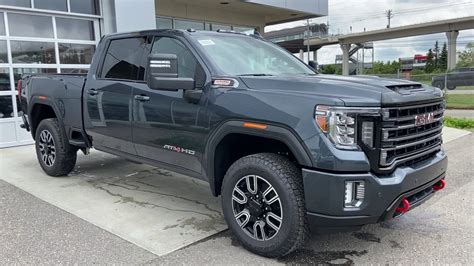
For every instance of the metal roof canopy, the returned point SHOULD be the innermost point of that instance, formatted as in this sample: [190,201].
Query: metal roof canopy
[448,25]
[267,11]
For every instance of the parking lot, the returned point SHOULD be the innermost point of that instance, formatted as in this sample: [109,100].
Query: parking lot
[113,211]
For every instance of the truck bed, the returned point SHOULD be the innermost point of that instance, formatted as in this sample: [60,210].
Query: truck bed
[62,91]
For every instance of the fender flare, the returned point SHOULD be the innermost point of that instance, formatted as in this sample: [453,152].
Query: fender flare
[275,132]
[36,100]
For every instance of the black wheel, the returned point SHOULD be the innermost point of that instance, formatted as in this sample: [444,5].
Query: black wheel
[263,204]
[451,87]
[55,155]
[439,85]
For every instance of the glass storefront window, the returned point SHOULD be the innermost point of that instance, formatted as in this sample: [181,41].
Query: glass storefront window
[216,27]
[3,52]
[164,23]
[33,52]
[75,29]
[85,6]
[244,29]
[188,24]
[30,25]
[2,25]
[20,3]
[4,79]
[59,5]
[6,106]
[75,53]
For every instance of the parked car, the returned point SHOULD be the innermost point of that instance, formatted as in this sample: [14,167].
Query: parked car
[459,77]
[285,148]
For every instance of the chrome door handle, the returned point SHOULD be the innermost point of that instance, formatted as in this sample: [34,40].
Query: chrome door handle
[93,92]
[142,98]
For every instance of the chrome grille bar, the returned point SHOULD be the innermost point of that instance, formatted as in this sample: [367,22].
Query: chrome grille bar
[404,143]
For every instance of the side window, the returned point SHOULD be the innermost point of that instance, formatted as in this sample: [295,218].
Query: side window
[123,59]
[186,62]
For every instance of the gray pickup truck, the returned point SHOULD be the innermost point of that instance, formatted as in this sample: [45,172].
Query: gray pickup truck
[458,77]
[286,148]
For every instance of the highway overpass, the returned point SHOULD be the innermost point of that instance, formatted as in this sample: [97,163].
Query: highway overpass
[450,26]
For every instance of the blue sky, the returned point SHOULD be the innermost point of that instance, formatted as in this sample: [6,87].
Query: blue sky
[370,14]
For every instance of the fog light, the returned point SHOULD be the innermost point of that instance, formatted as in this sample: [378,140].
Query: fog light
[355,193]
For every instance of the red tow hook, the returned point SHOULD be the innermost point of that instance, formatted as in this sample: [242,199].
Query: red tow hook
[440,185]
[406,206]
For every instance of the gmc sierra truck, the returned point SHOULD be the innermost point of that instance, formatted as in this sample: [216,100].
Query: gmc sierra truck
[283,146]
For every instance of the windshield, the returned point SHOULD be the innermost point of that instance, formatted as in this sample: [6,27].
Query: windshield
[238,55]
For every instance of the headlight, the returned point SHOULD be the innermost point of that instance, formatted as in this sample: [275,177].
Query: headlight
[340,125]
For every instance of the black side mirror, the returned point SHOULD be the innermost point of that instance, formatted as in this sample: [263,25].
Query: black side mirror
[162,73]
[313,64]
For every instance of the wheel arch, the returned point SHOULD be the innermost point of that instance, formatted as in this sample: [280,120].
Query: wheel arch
[42,109]
[276,136]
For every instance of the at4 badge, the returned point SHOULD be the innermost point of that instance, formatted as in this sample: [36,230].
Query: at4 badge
[179,149]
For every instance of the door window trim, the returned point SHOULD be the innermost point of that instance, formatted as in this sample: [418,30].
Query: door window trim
[100,67]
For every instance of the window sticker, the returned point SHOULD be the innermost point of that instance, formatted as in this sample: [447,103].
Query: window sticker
[206,42]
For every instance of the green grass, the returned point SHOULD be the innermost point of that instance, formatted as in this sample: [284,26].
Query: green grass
[460,101]
[462,123]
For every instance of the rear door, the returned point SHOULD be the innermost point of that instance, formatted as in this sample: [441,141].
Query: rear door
[108,94]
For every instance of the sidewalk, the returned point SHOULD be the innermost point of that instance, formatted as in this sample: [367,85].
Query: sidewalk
[460,92]
[459,113]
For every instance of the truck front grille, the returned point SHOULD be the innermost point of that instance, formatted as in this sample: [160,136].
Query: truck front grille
[410,133]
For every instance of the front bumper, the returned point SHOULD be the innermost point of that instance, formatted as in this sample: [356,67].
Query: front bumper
[324,193]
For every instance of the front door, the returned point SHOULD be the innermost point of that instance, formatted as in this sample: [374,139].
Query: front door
[108,96]
[167,128]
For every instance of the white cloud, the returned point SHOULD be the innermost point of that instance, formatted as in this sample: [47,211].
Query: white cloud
[370,15]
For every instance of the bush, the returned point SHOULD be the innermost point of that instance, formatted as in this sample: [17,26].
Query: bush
[462,123]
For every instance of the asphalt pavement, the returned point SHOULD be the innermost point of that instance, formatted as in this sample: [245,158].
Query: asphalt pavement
[441,231]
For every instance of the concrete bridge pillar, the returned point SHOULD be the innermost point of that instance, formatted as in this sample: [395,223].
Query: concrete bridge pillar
[345,59]
[301,54]
[452,41]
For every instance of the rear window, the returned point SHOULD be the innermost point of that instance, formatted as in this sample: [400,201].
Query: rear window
[123,59]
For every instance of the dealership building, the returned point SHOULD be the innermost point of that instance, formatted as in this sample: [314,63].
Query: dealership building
[59,36]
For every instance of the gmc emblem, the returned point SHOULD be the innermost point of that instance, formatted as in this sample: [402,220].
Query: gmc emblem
[424,119]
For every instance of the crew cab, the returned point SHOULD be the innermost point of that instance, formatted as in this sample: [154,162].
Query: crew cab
[286,149]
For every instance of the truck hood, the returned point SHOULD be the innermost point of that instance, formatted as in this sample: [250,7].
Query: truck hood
[353,91]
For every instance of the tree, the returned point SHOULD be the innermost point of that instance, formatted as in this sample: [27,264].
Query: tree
[443,58]
[430,64]
[436,55]
[466,57]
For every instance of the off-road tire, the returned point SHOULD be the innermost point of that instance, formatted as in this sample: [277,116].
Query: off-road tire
[66,154]
[286,178]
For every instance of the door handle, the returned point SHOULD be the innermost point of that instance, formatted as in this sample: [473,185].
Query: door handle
[142,98]
[93,92]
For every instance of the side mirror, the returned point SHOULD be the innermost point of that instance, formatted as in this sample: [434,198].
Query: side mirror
[162,73]
[313,64]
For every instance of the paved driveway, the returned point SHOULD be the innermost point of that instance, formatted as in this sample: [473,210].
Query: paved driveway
[33,231]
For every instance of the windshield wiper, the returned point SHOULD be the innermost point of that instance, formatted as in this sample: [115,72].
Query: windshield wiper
[255,75]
